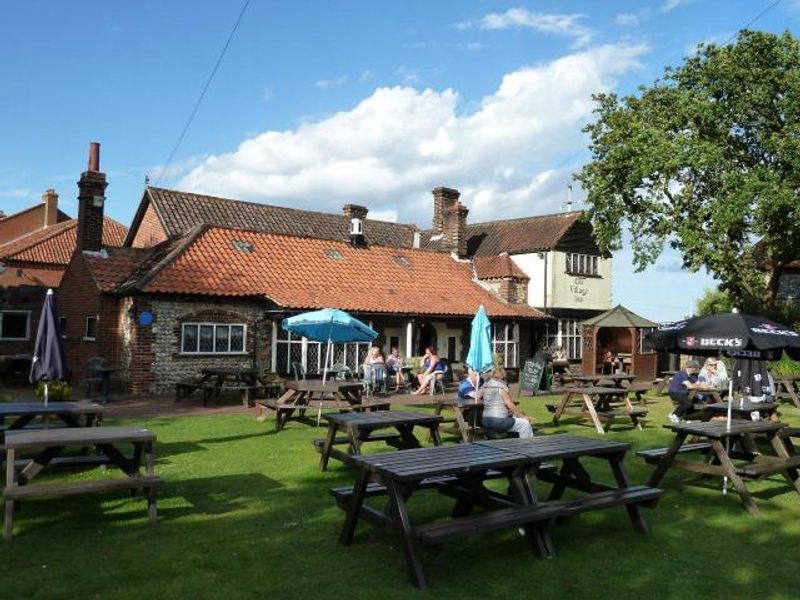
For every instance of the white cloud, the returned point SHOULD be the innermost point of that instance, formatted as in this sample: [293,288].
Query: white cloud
[18,193]
[326,83]
[671,5]
[159,173]
[633,19]
[554,23]
[392,148]
[366,75]
[407,74]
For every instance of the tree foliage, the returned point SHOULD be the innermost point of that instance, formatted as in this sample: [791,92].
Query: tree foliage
[714,302]
[707,160]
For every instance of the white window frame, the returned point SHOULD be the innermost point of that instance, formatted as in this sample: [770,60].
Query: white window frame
[86,336]
[582,264]
[643,332]
[508,345]
[565,336]
[214,352]
[27,314]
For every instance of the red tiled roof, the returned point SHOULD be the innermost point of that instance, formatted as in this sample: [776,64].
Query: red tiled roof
[513,236]
[180,211]
[497,267]
[112,266]
[54,245]
[14,276]
[303,273]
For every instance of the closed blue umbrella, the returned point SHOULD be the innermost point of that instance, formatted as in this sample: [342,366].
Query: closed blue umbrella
[480,356]
[49,361]
[329,325]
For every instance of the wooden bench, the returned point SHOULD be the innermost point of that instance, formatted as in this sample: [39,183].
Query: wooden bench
[518,516]
[391,439]
[770,467]
[656,454]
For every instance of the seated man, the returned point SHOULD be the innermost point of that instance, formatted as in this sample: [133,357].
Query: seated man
[683,381]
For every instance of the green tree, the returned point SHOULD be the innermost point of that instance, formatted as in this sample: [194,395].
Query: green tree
[713,302]
[707,160]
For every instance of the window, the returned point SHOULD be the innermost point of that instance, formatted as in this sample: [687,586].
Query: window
[90,333]
[504,343]
[291,348]
[567,334]
[213,338]
[581,264]
[451,348]
[644,345]
[15,324]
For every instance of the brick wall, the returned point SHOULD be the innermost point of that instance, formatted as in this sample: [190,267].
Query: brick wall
[26,298]
[78,297]
[19,225]
[152,353]
[150,231]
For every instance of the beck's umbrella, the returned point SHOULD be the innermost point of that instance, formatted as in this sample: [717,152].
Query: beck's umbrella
[329,325]
[49,361]
[734,334]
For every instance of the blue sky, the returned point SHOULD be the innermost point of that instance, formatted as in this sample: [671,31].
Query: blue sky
[318,103]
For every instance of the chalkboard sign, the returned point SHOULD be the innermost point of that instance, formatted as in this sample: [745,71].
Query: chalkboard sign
[531,376]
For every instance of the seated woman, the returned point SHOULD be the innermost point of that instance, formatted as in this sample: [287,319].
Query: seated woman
[430,366]
[500,414]
[394,365]
[470,388]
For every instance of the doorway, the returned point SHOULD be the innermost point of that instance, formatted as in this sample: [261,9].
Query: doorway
[426,336]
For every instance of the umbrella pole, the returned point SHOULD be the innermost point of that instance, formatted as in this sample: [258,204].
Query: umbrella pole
[324,377]
[46,398]
[728,438]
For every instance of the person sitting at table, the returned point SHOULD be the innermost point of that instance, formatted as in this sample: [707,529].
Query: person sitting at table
[394,366]
[607,358]
[430,366]
[683,381]
[500,414]
[470,388]
[713,374]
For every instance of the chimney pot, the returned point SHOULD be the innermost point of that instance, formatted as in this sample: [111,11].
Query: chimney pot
[94,157]
[443,198]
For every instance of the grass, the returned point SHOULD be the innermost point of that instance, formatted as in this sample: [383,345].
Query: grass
[245,513]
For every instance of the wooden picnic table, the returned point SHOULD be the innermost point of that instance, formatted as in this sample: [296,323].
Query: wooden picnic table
[599,405]
[359,428]
[666,377]
[48,444]
[711,439]
[214,380]
[619,380]
[787,388]
[314,394]
[740,409]
[715,393]
[73,414]
[461,472]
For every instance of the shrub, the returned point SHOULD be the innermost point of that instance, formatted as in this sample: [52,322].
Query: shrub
[56,391]
[785,366]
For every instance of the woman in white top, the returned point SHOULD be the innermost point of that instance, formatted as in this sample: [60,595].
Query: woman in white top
[499,411]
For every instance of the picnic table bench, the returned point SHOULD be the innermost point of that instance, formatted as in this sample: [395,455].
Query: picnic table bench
[360,427]
[662,382]
[786,388]
[599,405]
[213,381]
[461,471]
[722,445]
[50,443]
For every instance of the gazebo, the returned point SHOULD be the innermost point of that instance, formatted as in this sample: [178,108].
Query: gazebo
[613,341]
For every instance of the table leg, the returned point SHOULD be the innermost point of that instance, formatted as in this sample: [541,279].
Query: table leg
[461,423]
[403,525]
[587,400]
[634,512]
[326,448]
[37,464]
[790,387]
[353,510]
[434,436]
[522,493]
[149,469]
[562,407]
[782,451]
[666,461]
[11,481]
[129,467]
[730,471]
[408,437]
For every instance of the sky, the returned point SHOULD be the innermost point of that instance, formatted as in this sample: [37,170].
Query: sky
[317,104]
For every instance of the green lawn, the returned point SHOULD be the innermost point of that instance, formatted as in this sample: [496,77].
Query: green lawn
[246,513]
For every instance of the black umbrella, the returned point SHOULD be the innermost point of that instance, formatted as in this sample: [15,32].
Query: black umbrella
[49,361]
[735,334]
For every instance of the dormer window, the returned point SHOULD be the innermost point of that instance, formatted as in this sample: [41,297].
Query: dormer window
[356,226]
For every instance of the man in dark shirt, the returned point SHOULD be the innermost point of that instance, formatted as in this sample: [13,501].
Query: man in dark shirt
[683,381]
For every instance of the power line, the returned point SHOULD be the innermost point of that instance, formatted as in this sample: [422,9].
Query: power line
[203,92]
[753,20]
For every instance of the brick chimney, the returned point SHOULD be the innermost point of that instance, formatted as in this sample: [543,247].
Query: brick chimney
[442,198]
[356,215]
[454,229]
[91,198]
[50,201]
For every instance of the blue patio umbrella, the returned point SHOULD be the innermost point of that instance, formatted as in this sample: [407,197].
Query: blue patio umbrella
[329,325]
[49,361]
[480,356]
